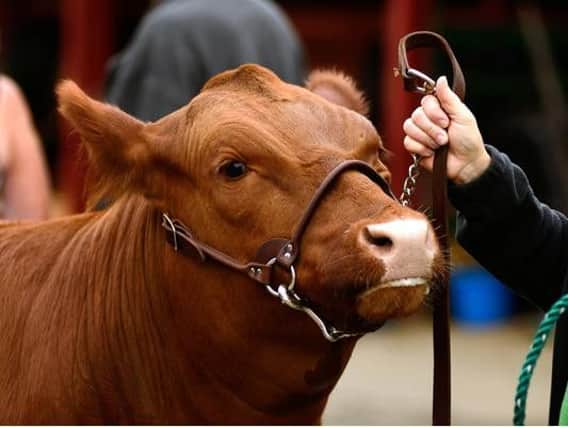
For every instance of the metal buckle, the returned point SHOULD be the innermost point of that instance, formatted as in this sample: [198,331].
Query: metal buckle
[428,85]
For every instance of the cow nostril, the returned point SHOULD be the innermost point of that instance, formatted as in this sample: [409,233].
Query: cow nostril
[382,241]
[378,239]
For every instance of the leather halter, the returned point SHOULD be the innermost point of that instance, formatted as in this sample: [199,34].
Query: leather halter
[416,81]
[278,252]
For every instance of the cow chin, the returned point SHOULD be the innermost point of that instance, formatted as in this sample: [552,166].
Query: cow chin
[386,302]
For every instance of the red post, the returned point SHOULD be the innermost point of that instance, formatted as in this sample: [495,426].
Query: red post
[399,18]
[86,44]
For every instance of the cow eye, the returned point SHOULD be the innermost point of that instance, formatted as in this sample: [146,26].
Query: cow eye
[234,169]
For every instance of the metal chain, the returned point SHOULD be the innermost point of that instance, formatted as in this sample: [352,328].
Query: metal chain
[409,186]
[428,87]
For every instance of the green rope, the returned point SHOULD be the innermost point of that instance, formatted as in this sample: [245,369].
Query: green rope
[535,349]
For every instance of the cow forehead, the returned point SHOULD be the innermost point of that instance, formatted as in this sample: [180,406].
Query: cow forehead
[257,102]
[250,78]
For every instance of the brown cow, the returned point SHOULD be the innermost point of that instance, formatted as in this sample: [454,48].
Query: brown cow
[103,321]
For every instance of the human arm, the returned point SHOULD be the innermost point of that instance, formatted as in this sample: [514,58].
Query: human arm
[517,238]
[26,178]
[500,222]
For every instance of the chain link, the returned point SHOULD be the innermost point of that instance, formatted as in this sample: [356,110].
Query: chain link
[409,186]
[428,87]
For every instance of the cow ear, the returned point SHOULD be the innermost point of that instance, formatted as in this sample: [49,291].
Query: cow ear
[118,151]
[338,88]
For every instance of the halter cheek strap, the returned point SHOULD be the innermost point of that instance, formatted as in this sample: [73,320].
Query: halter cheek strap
[276,253]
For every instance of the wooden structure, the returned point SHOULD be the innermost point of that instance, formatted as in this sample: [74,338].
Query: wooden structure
[359,38]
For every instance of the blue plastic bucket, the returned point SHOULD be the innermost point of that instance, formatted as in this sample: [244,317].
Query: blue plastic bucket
[479,299]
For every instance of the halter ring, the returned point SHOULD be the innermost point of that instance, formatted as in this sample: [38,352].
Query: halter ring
[290,287]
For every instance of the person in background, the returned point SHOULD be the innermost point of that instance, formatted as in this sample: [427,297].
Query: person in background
[24,182]
[520,240]
[180,44]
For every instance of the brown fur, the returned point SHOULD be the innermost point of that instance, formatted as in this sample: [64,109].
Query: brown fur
[338,87]
[103,322]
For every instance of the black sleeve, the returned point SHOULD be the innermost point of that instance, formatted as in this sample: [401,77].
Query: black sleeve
[509,232]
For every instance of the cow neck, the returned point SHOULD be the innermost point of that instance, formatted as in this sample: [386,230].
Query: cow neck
[252,359]
[277,254]
[266,379]
[108,275]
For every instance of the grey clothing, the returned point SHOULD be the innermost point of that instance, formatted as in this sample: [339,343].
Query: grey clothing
[182,43]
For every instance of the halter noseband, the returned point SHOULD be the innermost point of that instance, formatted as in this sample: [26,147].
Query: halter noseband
[282,253]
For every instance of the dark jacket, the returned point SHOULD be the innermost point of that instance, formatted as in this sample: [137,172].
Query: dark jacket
[522,242]
[180,44]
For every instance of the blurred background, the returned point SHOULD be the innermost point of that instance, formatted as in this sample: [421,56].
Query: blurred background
[513,57]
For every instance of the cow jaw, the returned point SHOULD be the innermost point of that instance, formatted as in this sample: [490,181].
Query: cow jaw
[409,281]
[395,298]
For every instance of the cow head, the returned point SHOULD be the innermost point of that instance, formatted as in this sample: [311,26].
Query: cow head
[240,164]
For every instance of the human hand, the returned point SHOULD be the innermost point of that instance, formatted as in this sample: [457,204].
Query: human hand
[441,119]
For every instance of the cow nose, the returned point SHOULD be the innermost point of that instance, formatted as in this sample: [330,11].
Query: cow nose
[379,238]
[406,246]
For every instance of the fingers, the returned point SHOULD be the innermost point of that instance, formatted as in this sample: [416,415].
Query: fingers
[417,147]
[424,131]
[417,134]
[449,101]
[426,128]
[435,135]
[434,111]
[427,163]
[426,154]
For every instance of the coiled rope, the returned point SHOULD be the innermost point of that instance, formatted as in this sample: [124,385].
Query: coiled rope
[540,338]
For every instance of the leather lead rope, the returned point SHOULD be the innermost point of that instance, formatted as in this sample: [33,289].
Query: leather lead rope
[416,81]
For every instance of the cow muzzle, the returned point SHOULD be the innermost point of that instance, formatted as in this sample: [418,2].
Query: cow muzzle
[407,249]
[281,254]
